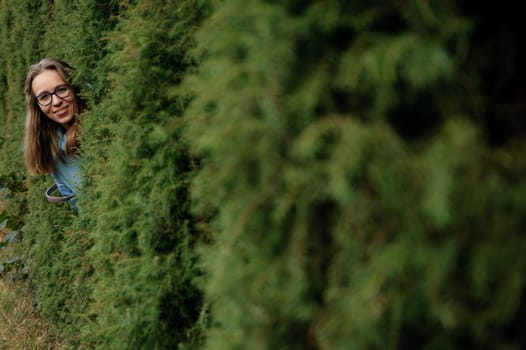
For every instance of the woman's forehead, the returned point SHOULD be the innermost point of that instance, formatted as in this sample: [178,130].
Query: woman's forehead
[46,81]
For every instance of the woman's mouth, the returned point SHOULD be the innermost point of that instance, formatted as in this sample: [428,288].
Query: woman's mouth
[62,112]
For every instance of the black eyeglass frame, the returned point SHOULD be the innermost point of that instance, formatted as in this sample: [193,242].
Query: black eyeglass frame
[54,92]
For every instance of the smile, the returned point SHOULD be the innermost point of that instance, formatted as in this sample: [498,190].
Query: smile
[62,111]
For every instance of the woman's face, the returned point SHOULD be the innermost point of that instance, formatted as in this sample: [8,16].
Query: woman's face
[60,110]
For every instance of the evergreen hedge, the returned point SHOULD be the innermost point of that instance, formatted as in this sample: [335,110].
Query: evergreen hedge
[143,241]
[278,174]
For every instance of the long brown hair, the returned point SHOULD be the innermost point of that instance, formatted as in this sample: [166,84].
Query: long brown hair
[40,142]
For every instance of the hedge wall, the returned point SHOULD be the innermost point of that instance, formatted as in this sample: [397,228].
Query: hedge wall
[278,174]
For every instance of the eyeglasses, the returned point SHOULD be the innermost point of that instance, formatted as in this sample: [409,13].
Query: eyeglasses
[45,98]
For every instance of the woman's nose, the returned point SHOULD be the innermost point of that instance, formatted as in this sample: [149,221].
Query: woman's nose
[55,100]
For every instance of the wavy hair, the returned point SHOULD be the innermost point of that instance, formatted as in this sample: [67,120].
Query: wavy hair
[40,142]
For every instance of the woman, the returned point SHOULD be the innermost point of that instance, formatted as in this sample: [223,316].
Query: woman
[51,143]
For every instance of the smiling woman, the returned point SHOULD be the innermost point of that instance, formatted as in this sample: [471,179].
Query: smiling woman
[52,127]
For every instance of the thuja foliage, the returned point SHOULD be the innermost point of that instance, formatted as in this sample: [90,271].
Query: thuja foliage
[144,292]
[355,202]
[18,42]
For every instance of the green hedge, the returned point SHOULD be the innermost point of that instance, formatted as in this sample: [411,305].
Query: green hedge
[143,241]
[278,174]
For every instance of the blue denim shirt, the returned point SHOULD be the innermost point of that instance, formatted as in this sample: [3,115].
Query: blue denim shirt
[67,174]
